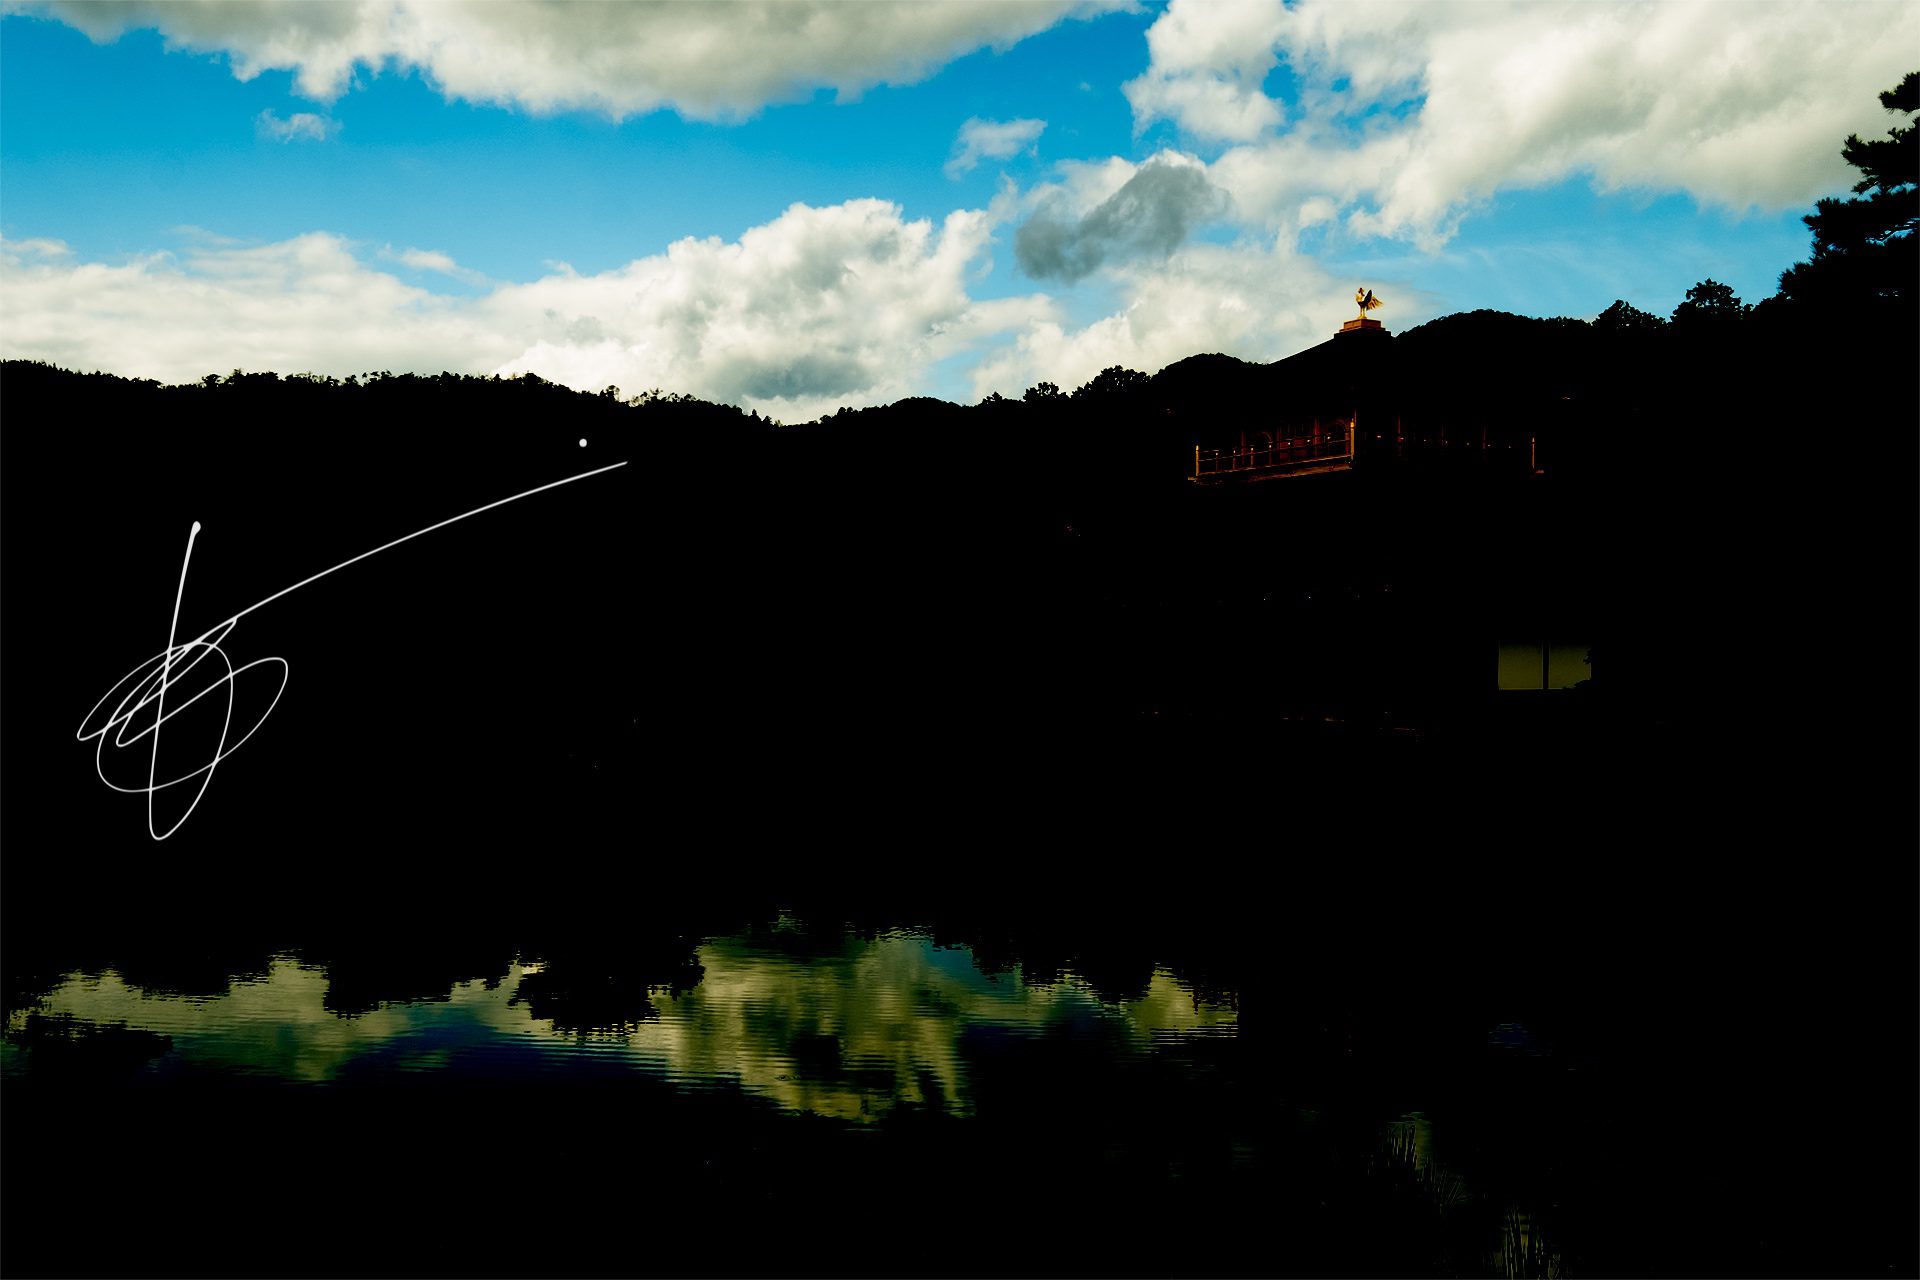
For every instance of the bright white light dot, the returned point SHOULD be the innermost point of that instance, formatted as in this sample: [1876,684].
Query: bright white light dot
[583,442]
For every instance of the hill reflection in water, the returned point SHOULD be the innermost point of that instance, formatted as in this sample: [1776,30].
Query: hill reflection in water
[846,1032]
[1362,1064]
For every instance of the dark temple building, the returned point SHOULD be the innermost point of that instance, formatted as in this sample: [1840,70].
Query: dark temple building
[1356,402]
[1443,524]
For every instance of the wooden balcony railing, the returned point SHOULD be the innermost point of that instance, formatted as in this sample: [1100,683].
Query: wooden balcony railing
[1280,456]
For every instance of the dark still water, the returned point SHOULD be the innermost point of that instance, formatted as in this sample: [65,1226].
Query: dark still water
[1220,1072]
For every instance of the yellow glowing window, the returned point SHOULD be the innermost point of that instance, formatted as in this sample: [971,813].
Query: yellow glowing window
[1543,665]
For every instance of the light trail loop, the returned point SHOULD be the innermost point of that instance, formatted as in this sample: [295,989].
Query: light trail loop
[151,684]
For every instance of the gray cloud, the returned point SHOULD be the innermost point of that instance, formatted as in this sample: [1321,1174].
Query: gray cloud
[1151,215]
[799,377]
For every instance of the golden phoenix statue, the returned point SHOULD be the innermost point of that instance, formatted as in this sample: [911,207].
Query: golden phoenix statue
[1367,301]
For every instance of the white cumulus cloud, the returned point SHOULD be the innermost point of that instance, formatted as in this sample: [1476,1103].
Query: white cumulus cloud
[1411,114]
[991,140]
[435,261]
[300,126]
[846,305]
[1206,65]
[302,304]
[709,61]
[1255,302]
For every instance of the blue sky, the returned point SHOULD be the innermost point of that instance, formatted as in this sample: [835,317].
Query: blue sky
[607,193]
[110,146]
